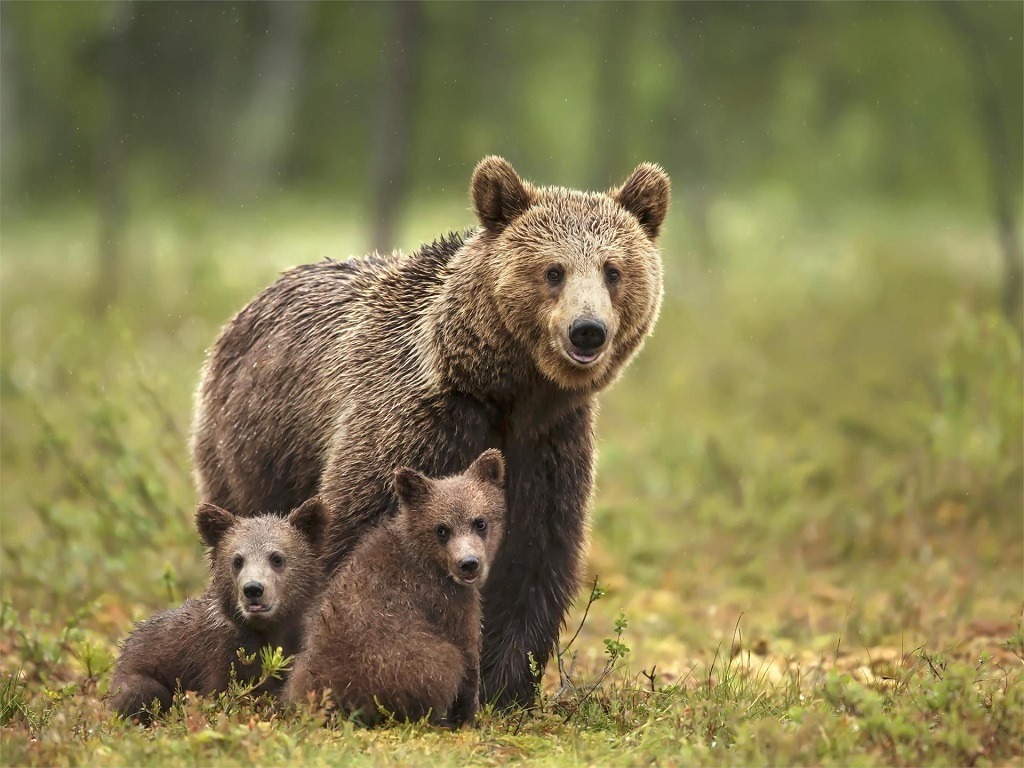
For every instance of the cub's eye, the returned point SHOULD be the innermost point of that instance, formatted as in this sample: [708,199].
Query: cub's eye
[612,275]
[277,560]
[480,524]
[555,275]
[442,532]
[237,562]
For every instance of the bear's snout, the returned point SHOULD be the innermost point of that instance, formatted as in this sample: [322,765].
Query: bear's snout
[587,336]
[467,561]
[253,590]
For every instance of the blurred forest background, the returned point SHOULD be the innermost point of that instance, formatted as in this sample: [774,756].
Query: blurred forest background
[823,435]
[373,106]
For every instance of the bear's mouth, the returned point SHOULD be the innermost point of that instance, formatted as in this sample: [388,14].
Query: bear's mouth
[254,609]
[466,580]
[582,357]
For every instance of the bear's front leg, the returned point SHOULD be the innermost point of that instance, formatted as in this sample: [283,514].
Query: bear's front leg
[536,574]
[135,695]
[467,702]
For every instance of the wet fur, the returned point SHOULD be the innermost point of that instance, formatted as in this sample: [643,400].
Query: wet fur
[396,633]
[194,647]
[339,372]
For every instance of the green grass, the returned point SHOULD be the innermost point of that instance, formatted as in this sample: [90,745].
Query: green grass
[808,525]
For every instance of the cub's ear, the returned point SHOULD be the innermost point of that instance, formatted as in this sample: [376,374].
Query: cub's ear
[489,467]
[645,194]
[310,519]
[499,195]
[213,522]
[410,485]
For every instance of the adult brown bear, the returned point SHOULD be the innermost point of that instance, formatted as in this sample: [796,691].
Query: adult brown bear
[340,372]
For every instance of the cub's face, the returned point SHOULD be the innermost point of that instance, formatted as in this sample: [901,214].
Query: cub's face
[265,567]
[580,278]
[455,524]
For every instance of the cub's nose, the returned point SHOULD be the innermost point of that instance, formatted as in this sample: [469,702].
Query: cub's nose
[469,565]
[587,333]
[252,590]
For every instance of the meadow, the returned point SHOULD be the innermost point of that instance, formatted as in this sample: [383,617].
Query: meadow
[808,530]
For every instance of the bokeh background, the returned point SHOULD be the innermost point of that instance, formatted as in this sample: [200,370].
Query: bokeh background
[824,434]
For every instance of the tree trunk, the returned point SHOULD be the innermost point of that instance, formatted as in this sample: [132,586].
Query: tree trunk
[399,63]
[614,96]
[992,124]
[111,196]
[11,134]
[265,127]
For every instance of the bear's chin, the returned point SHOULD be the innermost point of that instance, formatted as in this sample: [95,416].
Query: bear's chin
[256,614]
[575,375]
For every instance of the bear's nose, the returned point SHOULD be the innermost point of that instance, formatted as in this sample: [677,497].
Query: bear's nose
[587,333]
[469,565]
[252,590]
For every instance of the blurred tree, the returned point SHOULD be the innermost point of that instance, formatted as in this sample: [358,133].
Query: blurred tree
[112,59]
[614,104]
[264,131]
[11,118]
[982,40]
[824,107]
[400,56]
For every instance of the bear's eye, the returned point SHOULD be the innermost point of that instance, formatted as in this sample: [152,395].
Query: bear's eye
[480,524]
[612,275]
[277,560]
[442,532]
[238,562]
[555,275]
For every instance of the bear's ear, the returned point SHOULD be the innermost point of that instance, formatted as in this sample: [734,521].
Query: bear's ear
[213,522]
[489,467]
[645,194]
[310,519]
[499,195]
[411,486]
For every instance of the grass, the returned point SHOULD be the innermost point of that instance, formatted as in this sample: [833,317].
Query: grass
[807,534]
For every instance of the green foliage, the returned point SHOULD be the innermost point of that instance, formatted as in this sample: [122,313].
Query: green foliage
[12,698]
[976,427]
[614,647]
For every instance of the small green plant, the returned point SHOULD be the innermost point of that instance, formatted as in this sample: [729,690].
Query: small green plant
[1016,640]
[273,665]
[94,657]
[613,646]
[12,698]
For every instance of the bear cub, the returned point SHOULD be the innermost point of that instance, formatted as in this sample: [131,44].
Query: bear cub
[265,574]
[399,628]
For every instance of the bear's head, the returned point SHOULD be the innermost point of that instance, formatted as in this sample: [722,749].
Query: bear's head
[455,524]
[265,568]
[578,274]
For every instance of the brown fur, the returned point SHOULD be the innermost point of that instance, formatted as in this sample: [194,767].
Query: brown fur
[193,647]
[399,628]
[338,371]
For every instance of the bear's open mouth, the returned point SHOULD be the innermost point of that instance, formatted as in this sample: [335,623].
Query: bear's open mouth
[467,580]
[256,608]
[582,356]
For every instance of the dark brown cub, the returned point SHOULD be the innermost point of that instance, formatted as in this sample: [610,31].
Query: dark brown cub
[399,629]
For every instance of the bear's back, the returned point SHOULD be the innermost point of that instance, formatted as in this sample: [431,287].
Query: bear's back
[293,352]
